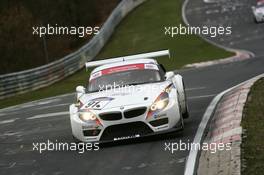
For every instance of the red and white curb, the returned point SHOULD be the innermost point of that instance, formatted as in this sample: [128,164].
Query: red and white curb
[240,56]
[225,115]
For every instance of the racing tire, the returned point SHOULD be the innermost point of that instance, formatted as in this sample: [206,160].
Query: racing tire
[186,113]
[256,21]
[180,131]
[182,123]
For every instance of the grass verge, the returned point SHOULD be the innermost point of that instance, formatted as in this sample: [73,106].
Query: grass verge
[141,31]
[253,123]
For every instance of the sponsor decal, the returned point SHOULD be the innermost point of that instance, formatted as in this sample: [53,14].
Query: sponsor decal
[126,137]
[156,115]
[123,68]
[95,75]
[151,66]
[91,126]
[120,94]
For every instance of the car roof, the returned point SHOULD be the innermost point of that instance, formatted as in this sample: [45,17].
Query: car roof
[127,62]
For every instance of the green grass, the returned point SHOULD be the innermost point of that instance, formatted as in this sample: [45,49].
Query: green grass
[141,31]
[253,122]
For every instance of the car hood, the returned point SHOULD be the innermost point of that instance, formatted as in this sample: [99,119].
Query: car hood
[260,10]
[125,96]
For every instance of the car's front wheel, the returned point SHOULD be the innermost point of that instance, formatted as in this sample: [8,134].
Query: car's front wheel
[185,114]
[182,123]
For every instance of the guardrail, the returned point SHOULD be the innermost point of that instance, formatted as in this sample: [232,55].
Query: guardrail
[32,79]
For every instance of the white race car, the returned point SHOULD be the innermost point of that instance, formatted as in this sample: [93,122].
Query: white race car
[128,97]
[258,11]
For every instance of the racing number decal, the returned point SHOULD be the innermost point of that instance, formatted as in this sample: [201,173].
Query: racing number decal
[98,103]
[92,104]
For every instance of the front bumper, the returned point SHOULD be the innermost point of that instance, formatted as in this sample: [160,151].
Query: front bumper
[128,128]
[259,17]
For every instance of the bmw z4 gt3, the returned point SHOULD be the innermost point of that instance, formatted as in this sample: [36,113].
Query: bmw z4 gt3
[128,97]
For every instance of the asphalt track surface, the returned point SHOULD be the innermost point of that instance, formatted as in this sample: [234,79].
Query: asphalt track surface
[45,119]
[246,34]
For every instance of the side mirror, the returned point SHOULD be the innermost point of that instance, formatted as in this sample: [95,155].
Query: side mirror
[169,75]
[80,89]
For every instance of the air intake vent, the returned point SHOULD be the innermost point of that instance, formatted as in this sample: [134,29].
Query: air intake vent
[159,122]
[111,116]
[135,112]
[93,132]
[126,130]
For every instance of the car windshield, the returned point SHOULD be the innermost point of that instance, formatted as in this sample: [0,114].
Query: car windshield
[124,78]
[260,5]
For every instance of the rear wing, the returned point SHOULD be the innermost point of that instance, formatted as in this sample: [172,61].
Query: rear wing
[125,58]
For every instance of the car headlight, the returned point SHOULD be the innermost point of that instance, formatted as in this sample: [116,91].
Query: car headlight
[159,104]
[87,116]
